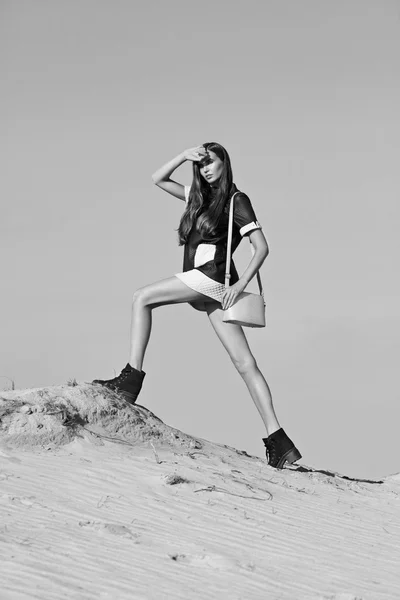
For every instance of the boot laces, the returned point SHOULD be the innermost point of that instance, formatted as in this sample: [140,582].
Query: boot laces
[122,376]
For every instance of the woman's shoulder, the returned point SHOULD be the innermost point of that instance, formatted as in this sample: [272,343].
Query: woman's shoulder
[240,197]
[237,192]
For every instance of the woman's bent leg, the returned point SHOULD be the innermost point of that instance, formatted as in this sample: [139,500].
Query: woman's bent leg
[161,293]
[235,342]
[169,291]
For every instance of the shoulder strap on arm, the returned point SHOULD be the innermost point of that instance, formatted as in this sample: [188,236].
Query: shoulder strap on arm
[229,250]
[229,243]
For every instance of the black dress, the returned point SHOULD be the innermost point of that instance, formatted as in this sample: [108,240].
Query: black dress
[204,261]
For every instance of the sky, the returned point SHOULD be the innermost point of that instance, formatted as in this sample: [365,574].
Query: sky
[304,94]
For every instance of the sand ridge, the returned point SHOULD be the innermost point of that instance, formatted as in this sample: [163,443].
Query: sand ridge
[104,500]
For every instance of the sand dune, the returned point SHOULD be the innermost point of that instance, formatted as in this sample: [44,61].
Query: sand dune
[101,500]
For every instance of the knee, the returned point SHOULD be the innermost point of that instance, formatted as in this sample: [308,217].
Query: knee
[139,297]
[245,366]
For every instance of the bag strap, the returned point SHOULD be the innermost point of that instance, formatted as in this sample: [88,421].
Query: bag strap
[229,250]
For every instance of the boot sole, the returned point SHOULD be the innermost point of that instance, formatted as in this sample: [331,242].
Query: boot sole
[131,398]
[291,456]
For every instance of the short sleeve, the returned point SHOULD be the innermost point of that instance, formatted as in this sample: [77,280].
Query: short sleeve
[187,192]
[243,215]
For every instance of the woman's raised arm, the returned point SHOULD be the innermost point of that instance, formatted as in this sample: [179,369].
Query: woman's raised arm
[162,177]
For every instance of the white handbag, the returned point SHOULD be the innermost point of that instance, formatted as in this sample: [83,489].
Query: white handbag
[248,309]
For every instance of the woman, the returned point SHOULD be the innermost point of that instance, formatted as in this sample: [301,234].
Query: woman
[203,232]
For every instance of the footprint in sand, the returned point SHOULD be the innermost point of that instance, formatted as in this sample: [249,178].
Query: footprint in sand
[112,528]
[26,500]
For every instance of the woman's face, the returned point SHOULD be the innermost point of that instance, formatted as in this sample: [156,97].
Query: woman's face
[211,167]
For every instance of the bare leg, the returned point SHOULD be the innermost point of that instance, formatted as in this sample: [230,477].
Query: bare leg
[235,342]
[167,291]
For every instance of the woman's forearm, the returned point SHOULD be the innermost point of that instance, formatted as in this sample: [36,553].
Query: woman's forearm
[254,265]
[164,172]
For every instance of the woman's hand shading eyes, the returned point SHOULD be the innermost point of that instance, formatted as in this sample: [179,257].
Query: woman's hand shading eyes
[195,154]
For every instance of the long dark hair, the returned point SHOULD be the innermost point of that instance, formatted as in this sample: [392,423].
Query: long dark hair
[205,201]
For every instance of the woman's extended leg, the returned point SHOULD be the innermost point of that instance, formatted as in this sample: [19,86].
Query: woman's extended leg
[167,291]
[279,447]
[235,342]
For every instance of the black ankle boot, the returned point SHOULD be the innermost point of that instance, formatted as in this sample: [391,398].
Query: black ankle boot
[280,449]
[128,383]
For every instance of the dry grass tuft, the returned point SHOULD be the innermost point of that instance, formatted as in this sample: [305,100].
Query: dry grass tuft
[55,416]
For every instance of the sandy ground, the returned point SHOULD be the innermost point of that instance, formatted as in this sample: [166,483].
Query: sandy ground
[99,500]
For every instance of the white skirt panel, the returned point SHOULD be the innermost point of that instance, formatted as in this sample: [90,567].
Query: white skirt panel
[199,282]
